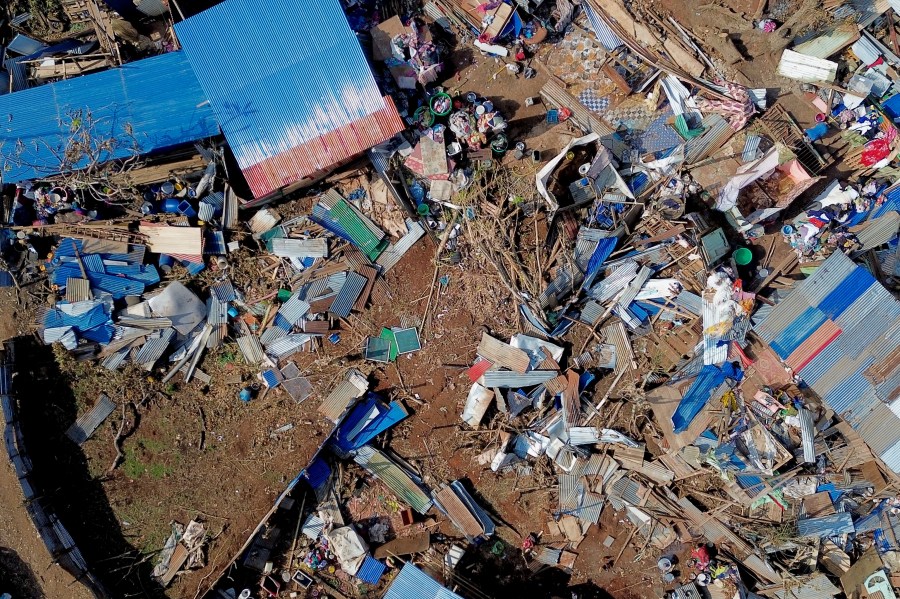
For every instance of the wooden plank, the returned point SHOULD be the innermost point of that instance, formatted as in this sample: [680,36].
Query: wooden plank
[614,76]
[416,543]
[173,240]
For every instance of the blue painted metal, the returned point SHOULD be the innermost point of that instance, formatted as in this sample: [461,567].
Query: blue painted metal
[604,34]
[158,98]
[796,333]
[291,75]
[317,472]
[699,393]
[827,526]
[821,364]
[371,570]
[360,427]
[846,292]
[413,583]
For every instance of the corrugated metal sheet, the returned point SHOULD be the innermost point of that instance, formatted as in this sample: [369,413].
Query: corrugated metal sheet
[716,132]
[343,395]
[505,378]
[77,290]
[859,309]
[394,477]
[113,361]
[830,42]
[782,315]
[287,345]
[697,395]
[808,435]
[154,348]
[224,291]
[251,349]
[132,96]
[334,112]
[751,147]
[547,555]
[826,526]
[88,422]
[606,289]
[808,69]
[300,248]
[459,514]
[806,323]
[878,231]
[502,354]
[850,288]
[216,311]
[626,490]
[371,570]
[583,435]
[812,345]
[294,309]
[605,35]
[392,255]
[347,296]
[412,583]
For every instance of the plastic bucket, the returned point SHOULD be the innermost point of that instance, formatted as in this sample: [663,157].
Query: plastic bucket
[423,116]
[170,205]
[442,98]
[742,256]
[499,144]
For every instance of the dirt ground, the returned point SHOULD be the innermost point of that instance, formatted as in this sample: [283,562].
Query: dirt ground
[199,452]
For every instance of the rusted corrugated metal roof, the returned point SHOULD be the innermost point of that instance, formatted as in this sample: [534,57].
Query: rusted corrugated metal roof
[458,513]
[502,354]
[830,42]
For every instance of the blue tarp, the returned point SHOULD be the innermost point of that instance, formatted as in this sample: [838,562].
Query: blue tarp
[699,393]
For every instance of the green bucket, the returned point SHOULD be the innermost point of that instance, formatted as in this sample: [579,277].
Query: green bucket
[424,116]
[742,256]
[444,99]
[284,295]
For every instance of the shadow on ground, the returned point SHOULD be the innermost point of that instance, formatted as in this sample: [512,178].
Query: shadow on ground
[17,578]
[47,409]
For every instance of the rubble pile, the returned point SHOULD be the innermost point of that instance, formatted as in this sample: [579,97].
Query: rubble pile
[694,359]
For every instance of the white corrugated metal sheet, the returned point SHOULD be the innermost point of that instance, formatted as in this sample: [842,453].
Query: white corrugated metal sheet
[808,69]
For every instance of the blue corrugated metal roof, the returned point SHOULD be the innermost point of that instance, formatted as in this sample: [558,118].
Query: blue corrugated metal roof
[292,73]
[826,526]
[412,583]
[796,333]
[317,472]
[159,98]
[854,285]
[371,570]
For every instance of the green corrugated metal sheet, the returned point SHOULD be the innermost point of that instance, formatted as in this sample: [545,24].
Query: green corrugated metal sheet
[394,477]
[359,233]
